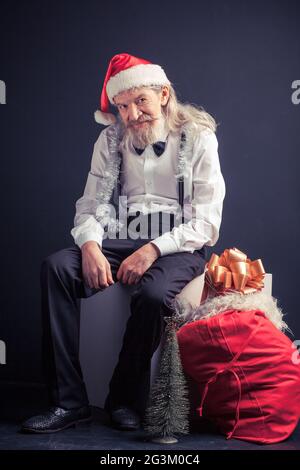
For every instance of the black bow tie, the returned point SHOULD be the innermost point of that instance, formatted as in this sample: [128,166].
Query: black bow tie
[158,147]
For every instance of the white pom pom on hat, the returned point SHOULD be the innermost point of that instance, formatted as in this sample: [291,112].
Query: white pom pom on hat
[126,71]
[104,118]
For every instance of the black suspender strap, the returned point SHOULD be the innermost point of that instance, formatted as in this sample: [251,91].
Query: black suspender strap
[181,180]
[181,193]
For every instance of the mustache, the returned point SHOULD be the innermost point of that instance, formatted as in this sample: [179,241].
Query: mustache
[132,123]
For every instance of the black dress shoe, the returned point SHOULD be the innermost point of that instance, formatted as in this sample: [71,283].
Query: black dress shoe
[56,419]
[124,418]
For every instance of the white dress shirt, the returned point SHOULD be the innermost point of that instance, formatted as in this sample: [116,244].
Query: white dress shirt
[149,183]
[148,180]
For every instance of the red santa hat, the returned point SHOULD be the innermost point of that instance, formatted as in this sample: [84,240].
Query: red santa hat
[124,72]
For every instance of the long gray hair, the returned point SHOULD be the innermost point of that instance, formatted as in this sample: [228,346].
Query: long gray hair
[177,113]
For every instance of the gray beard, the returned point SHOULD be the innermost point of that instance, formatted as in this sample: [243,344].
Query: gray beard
[141,137]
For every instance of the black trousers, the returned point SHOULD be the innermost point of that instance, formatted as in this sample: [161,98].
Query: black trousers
[62,284]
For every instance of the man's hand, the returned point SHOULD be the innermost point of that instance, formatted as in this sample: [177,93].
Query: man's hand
[133,267]
[95,266]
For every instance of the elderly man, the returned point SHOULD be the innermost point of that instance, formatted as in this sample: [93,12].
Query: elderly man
[152,202]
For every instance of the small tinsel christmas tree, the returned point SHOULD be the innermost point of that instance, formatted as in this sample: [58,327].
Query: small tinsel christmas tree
[167,413]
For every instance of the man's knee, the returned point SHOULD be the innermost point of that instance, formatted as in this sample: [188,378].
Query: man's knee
[150,295]
[57,262]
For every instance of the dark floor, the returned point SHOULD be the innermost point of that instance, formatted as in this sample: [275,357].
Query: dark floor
[18,403]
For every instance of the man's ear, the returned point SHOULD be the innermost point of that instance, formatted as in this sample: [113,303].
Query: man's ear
[165,95]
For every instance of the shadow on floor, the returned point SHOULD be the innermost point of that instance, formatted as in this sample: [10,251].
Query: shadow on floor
[20,402]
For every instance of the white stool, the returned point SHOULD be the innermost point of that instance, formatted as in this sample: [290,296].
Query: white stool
[103,322]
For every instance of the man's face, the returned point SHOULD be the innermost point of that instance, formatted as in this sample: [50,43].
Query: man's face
[141,112]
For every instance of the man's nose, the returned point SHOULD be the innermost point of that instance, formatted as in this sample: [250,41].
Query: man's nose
[133,112]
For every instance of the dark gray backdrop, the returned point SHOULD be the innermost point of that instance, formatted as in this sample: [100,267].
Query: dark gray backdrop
[238,59]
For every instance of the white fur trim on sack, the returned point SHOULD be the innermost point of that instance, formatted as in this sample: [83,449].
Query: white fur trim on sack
[138,75]
[237,301]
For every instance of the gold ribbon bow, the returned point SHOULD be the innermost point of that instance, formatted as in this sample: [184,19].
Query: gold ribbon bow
[232,270]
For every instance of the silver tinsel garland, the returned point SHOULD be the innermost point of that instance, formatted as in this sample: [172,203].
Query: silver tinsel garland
[109,182]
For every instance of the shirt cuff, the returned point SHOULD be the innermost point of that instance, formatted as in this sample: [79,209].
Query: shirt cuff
[87,237]
[166,245]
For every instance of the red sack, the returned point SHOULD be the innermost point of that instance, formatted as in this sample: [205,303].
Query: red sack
[242,364]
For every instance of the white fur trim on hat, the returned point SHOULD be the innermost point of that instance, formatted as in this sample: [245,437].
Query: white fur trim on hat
[138,75]
[104,118]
